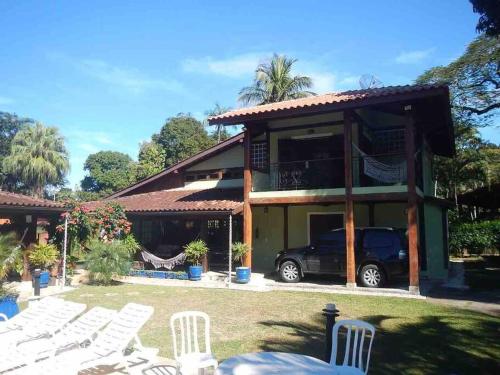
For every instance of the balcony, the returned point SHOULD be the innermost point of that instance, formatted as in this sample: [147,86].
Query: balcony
[301,175]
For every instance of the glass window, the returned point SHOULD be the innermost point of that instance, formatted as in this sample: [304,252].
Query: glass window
[333,241]
[259,155]
[378,238]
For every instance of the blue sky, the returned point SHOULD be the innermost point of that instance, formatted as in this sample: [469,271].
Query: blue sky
[108,73]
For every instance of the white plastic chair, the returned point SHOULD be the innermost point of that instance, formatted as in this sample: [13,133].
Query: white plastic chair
[357,331]
[188,356]
[75,334]
[107,349]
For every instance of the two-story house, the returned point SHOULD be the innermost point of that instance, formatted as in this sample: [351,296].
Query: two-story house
[302,167]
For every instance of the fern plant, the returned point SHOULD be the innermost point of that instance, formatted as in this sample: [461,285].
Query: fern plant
[106,260]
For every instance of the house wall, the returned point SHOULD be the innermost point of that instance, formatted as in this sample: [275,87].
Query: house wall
[434,240]
[428,180]
[231,158]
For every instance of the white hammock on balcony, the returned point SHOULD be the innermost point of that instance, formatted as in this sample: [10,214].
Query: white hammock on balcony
[387,173]
[158,262]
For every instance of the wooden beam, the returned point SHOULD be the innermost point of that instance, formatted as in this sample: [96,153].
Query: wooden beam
[285,227]
[247,209]
[326,199]
[412,200]
[297,200]
[349,205]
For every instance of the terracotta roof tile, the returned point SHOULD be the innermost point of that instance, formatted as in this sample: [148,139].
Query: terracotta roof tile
[179,200]
[319,100]
[20,200]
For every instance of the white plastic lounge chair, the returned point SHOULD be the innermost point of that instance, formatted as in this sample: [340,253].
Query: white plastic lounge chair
[107,349]
[77,333]
[356,333]
[55,320]
[31,316]
[189,357]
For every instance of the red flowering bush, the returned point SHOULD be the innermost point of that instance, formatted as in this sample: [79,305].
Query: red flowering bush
[106,223]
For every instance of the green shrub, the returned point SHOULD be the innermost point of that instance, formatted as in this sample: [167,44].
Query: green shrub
[131,244]
[475,238]
[239,250]
[106,260]
[195,250]
[43,256]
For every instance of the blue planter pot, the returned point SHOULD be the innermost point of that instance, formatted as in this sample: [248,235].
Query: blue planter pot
[243,275]
[44,279]
[8,306]
[195,273]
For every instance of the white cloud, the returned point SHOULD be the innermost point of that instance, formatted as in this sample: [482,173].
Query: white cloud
[6,101]
[233,67]
[125,78]
[97,136]
[413,57]
[130,79]
[88,147]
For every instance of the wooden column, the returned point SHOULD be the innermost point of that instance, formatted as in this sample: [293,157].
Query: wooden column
[349,206]
[285,227]
[412,200]
[247,209]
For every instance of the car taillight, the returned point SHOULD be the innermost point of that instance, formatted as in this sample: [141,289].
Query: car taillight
[402,254]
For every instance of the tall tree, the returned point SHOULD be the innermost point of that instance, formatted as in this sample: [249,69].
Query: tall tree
[108,171]
[274,82]
[10,124]
[182,136]
[151,159]
[220,133]
[38,158]
[489,20]
[474,78]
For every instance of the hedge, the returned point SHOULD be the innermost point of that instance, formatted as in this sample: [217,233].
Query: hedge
[475,238]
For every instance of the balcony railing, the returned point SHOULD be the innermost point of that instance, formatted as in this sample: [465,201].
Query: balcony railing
[367,171]
[304,174]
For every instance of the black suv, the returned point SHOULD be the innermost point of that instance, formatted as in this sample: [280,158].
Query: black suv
[380,254]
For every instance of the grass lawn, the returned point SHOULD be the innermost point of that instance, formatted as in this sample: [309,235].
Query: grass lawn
[413,336]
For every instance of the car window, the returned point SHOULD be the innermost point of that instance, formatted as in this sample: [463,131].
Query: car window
[332,241]
[378,238]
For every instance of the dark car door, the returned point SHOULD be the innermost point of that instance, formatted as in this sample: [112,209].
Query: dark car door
[325,255]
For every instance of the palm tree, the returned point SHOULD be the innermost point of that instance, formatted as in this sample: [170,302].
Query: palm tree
[220,131]
[274,83]
[38,158]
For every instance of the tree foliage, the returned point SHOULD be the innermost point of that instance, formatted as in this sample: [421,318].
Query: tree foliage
[181,137]
[489,20]
[38,158]
[274,82]
[108,171]
[10,124]
[474,78]
[151,160]
[475,238]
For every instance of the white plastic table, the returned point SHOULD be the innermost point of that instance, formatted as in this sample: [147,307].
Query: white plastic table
[274,363]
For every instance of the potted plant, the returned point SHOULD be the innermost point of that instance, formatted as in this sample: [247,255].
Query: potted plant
[195,250]
[43,256]
[242,273]
[10,259]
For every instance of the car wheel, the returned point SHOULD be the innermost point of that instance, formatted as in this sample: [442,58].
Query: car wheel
[372,276]
[290,272]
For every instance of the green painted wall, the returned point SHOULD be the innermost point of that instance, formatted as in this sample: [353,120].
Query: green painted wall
[434,242]
[390,215]
[428,180]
